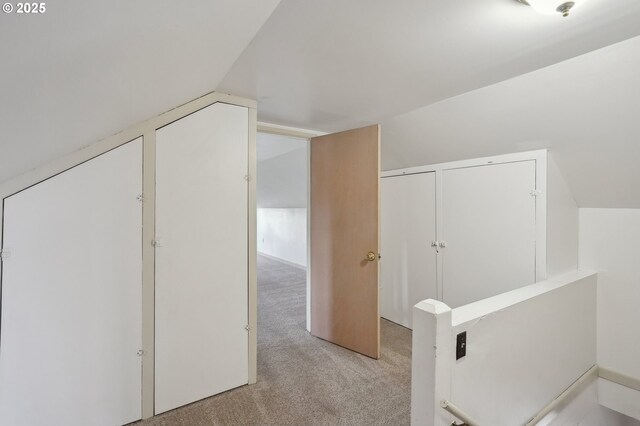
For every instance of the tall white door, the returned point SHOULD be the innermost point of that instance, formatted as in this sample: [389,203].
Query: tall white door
[408,226]
[71,296]
[201,344]
[488,226]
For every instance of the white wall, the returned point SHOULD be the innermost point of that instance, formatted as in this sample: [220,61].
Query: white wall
[609,242]
[282,233]
[562,223]
[282,197]
[282,180]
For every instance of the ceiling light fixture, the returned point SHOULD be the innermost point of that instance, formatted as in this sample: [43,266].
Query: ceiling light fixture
[550,7]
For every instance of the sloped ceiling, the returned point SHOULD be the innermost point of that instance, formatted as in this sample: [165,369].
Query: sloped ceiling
[85,70]
[585,110]
[428,70]
[331,65]
[418,67]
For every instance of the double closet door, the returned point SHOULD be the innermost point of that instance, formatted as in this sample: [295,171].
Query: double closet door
[72,319]
[458,235]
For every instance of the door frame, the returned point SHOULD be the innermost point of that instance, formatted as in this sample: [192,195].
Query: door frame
[306,134]
[147,130]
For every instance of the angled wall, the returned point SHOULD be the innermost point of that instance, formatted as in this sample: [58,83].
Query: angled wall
[583,109]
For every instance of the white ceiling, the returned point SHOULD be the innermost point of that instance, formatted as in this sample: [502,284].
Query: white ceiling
[586,110]
[85,70]
[429,71]
[333,64]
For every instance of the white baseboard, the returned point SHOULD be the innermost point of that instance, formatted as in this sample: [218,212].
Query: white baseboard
[619,398]
[286,262]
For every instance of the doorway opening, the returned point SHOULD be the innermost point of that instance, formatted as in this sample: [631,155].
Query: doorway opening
[282,229]
[329,380]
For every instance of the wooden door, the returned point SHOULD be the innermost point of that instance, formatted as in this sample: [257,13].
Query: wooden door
[345,171]
[72,296]
[408,227]
[489,230]
[201,256]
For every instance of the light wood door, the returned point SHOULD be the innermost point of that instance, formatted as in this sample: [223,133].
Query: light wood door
[72,296]
[408,227]
[201,256]
[345,169]
[489,228]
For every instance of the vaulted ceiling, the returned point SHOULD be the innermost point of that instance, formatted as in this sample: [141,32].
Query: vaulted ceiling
[334,64]
[585,110]
[447,79]
[458,79]
[85,70]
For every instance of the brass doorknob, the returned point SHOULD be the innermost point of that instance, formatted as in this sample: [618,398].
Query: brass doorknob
[371,256]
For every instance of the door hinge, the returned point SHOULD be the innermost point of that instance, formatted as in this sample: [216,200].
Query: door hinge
[246,327]
[156,243]
[140,198]
[535,193]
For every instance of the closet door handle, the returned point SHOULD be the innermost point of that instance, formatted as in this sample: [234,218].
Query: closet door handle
[371,256]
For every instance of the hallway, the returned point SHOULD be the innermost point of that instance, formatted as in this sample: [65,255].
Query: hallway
[304,380]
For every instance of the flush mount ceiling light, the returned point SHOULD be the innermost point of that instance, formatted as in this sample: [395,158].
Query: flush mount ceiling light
[551,7]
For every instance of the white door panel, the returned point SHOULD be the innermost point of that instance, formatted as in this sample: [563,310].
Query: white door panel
[72,296]
[488,223]
[201,260]
[408,226]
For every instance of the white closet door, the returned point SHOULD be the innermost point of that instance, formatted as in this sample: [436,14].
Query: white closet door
[72,296]
[488,223]
[201,259]
[408,226]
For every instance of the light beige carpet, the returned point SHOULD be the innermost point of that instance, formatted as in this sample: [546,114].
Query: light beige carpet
[303,380]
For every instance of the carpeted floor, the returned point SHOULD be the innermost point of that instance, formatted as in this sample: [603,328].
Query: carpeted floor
[303,380]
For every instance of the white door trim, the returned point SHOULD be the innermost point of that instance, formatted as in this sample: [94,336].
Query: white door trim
[307,134]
